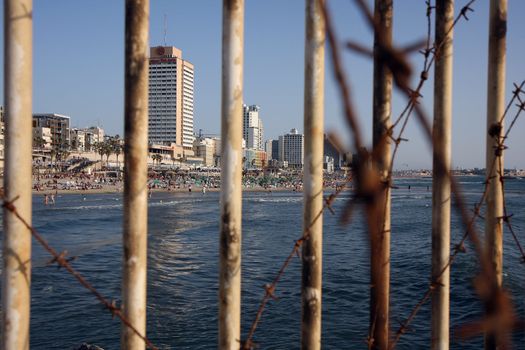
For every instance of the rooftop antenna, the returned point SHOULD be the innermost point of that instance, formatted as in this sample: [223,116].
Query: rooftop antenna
[165,27]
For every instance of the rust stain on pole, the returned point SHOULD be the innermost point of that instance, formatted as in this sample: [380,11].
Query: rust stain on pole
[440,179]
[134,269]
[380,235]
[16,279]
[231,175]
[495,108]
[312,254]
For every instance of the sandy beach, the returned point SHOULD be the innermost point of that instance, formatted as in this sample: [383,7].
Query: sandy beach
[195,181]
[68,185]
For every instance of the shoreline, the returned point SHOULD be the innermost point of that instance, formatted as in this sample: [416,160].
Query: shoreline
[197,189]
[115,188]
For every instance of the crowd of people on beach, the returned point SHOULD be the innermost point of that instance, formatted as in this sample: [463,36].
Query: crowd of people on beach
[194,180]
[65,181]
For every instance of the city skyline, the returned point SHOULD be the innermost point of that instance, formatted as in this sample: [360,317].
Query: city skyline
[273,79]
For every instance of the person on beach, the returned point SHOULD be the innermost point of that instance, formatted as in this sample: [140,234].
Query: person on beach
[52,199]
[46,199]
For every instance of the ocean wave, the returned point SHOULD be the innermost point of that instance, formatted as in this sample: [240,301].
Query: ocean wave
[87,207]
[276,200]
[395,197]
[155,203]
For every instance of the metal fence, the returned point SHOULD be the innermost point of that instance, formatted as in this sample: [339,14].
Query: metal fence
[371,177]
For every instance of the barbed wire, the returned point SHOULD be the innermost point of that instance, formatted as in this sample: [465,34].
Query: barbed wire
[368,191]
[368,188]
[460,247]
[490,292]
[62,261]
[521,107]
[395,60]
[518,89]
[470,233]
[269,289]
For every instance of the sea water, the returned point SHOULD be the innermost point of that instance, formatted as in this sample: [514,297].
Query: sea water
[183,268]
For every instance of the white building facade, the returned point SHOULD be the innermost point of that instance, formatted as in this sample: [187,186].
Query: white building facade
[78,140]
[60,127]
[291,149]
[252,127]
[42,138]
[171,92]
[187,104]
[205,149]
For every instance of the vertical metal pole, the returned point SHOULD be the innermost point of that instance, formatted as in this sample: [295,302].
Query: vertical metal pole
[135,173]
[312,257]
[18,66]
[380,240]
[495,108]
[231,175]
[440,179]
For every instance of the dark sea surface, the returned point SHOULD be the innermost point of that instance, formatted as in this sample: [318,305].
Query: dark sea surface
[183,269]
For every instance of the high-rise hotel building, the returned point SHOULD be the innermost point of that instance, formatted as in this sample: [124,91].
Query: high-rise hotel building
[291,149]
[170,98]
[252,127]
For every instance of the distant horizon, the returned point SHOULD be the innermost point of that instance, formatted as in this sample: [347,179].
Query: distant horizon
[79,68]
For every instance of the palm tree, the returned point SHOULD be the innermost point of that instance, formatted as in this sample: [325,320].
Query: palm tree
[99,148]
[117,146]
[108,150]
[117,149]
[54,154]
[156,157]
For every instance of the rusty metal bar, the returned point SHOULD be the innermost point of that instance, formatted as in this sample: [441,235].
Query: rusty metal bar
[312,253]
[380,236]
[441,196]
[134,269]
[495,108]
[231,175]
[18,72]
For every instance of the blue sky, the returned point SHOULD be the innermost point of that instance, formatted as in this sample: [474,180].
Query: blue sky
[79,48]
